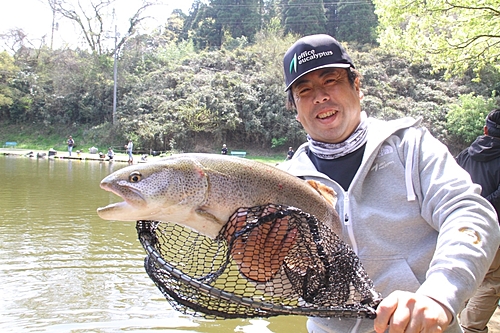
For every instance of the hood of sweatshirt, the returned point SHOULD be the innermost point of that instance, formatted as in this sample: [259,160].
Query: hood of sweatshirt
[485,148]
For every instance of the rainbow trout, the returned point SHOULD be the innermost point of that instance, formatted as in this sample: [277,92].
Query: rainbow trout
[202,191]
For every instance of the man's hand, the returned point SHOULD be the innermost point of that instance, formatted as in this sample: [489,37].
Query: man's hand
[407,312]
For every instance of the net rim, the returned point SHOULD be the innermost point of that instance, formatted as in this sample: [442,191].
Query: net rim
[265,309]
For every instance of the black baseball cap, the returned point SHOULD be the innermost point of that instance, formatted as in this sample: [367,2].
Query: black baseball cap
[311,53]
[493,123]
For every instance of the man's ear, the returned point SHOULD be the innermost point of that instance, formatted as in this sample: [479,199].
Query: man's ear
[357,85]
[485,128]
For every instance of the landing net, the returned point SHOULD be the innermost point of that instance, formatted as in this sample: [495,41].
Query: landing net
[267,261]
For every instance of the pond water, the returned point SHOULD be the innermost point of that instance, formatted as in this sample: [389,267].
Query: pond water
[63,269]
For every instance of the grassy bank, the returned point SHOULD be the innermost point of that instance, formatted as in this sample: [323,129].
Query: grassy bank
[30,136]
[43,138]
[273,160]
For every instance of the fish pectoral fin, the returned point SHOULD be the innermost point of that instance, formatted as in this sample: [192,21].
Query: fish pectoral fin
[325,191]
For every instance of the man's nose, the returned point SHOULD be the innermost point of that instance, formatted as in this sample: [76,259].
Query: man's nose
[321,96]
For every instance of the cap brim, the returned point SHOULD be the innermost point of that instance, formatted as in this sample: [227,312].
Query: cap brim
[316,68]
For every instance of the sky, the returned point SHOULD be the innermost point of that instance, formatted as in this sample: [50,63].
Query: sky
[34,17]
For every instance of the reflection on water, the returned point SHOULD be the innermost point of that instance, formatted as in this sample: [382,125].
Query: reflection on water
[63,269]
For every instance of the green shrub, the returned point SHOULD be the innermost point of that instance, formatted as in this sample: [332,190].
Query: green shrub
[465,120]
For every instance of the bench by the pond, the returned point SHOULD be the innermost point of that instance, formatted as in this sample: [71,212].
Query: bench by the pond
[239,153]
[10,144]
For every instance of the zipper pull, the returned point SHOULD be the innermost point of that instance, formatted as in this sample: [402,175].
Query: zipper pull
[346,209]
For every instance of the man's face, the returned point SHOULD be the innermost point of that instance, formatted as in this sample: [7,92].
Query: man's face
[328,105]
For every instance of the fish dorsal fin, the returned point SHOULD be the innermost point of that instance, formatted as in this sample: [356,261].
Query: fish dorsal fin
[325,191]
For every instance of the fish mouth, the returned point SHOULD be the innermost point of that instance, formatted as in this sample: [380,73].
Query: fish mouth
[109,212]
[127,210]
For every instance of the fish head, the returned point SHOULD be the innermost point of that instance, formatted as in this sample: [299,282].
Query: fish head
[155,190]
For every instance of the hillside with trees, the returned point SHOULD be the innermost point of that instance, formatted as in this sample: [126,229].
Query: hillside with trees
[214,75]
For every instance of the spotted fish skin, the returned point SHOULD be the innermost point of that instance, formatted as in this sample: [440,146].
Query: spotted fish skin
[202,191]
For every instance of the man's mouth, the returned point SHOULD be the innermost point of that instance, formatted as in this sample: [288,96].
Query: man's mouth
[326,114]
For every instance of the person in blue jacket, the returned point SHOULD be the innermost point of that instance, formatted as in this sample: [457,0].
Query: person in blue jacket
[420,227]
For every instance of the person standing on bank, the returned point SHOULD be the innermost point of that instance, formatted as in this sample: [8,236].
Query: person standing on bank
[129,147]
[423,232]
[289,154]
[482,161]
[71,144]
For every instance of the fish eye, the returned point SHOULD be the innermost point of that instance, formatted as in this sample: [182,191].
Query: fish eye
[135,177]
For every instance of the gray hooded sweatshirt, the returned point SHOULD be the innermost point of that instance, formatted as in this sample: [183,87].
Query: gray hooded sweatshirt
[414,218]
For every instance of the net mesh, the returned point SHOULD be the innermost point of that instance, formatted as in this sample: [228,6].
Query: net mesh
[267,261]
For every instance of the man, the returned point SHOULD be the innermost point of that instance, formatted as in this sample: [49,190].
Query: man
[129,148]
[289,154]
[422,231]
[482,161]
[71,144]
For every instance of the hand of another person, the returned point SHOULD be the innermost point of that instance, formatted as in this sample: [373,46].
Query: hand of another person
[407,312]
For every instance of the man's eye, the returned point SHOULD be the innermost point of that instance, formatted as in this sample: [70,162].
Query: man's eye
[330,81]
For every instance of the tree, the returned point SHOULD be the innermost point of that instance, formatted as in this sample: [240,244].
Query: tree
[465,120]
[455,35]
[202,26]
[304,17]
[211,23]
[174,25]
[8,72]
[238,17]
[15,39]
[353,21]
[91,18]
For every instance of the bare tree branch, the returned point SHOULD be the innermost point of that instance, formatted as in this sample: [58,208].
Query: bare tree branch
[134,22]
[485,8]
[14,39]
[90,18]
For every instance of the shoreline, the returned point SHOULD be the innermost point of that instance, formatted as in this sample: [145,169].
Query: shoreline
[81,156]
